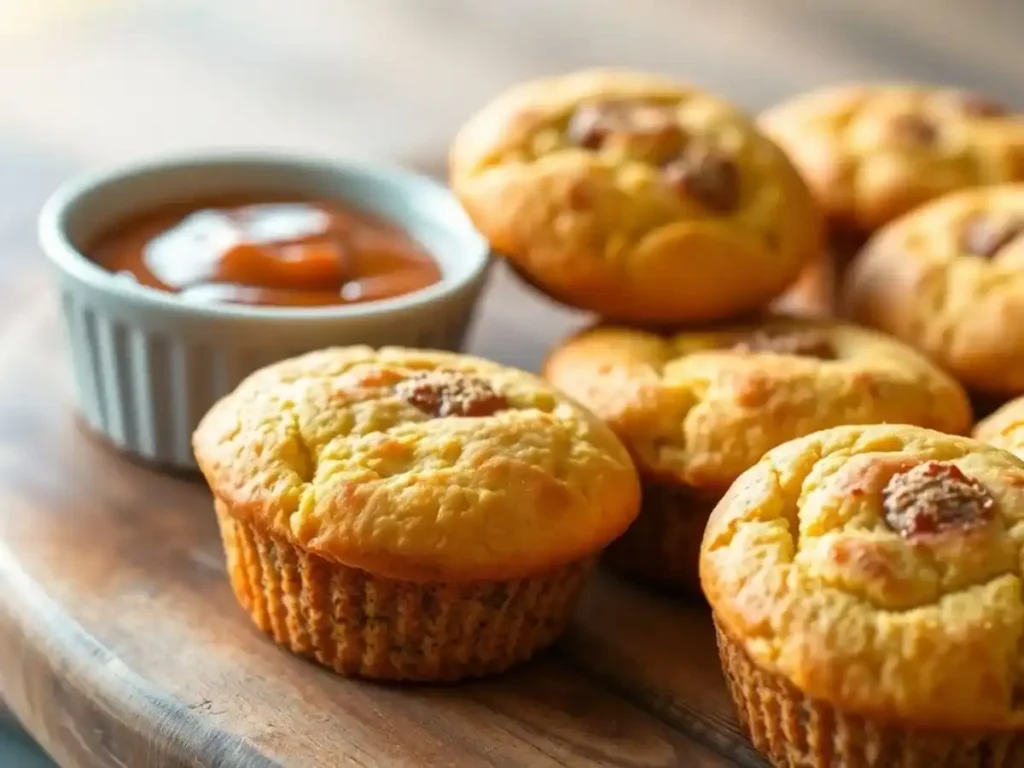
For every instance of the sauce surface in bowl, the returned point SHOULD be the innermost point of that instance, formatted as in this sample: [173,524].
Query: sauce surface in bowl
[284,254]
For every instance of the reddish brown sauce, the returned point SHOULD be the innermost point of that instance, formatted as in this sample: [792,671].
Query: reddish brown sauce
[292,253]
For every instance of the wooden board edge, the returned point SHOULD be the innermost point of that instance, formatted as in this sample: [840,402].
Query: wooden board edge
[65,687]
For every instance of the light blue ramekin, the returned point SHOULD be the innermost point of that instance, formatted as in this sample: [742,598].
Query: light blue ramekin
[147,366]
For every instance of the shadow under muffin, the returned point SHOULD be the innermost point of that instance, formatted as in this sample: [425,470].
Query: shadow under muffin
[662,545]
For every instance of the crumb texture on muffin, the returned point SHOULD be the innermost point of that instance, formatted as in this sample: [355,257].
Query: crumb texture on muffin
[699,407]
[417,465]
[947,278]
[878,569]
[871,152]
[635,196]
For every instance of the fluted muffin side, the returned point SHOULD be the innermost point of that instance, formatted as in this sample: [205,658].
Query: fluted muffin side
[792,729]
[368,626]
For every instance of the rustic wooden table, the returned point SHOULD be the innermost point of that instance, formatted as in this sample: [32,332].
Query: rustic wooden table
[119,641]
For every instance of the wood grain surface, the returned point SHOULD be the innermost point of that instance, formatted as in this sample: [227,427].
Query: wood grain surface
[124,646]
[120,643]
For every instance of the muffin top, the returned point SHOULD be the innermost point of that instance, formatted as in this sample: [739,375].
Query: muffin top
[871,152]
[878,568]
[947,278]
[702,406]
[1004,428]
[417,465]
[635,196]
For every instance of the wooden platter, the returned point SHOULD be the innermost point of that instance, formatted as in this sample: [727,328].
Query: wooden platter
[121,644]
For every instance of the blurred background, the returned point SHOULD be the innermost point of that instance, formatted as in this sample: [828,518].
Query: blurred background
[89,82]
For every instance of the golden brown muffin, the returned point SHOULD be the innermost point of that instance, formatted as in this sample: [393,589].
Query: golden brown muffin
[407,514]
[865,585]
[1004,428]
[872,152]
[698,408]
[635,196]
[947,278]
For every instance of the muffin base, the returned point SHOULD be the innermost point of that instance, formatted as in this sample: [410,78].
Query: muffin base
[792,729]
[662,546]
[363,625]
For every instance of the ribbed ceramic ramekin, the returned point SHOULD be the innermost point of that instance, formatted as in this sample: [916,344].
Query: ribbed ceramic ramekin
[147,366]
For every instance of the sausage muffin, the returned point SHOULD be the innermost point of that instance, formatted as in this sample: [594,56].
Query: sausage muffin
[947,278]
[410,515]
[865,585]
[635,196]
[698,408]
[871,152]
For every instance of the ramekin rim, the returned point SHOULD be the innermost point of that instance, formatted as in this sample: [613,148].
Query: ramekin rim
[62,253]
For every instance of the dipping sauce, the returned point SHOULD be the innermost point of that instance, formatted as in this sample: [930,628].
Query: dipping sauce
[284,254]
